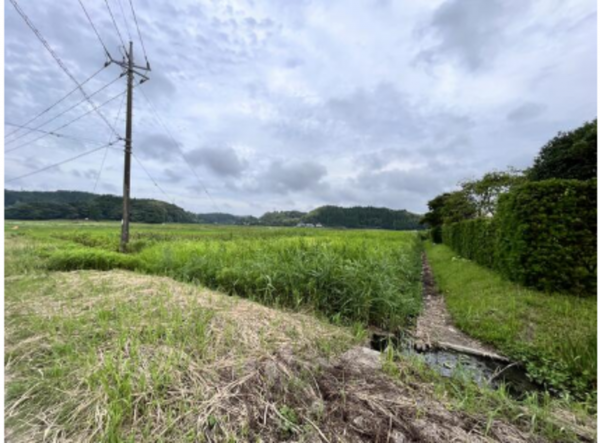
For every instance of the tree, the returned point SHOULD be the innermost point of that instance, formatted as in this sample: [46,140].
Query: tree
[435,216]
[450,207]
[484,193]
[458,207]
[569,155]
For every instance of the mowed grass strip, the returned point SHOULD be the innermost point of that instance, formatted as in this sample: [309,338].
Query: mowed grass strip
[117,356]
[554,335]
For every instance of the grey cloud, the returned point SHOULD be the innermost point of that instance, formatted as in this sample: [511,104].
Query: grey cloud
[157,146]
[525,112]
[293,176]
[173,176]
[222,160]
[469,30]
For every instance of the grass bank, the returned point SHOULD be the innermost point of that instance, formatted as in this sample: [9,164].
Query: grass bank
[553,335]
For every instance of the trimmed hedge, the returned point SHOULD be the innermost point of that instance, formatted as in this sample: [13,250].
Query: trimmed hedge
[543,236]
[473,239]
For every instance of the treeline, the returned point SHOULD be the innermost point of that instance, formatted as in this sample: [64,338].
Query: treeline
[536,227]
[72,205]
[360,217]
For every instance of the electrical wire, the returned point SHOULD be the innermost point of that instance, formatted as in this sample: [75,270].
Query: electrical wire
[161,122]
[106,151]
[59,163]
[55,134]
[95,30]
[152,179]
[63,112]
[139,33]
[59,61]
[125,19]
[66,124]
[24,125]
[114,23]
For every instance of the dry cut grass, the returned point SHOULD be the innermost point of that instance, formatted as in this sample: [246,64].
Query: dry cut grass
[116,356]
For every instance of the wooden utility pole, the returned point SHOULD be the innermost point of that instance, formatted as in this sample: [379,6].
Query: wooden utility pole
[127,169]
[130,69]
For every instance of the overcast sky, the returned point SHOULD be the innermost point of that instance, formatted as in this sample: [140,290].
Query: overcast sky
[286,104]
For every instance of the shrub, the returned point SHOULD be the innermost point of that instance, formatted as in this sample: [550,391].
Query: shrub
[472,239]
[543,236]
[436,234]
[80,258]
[547,235]
[569,155]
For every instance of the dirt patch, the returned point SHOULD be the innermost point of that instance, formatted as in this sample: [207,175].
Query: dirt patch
[435,325]
[348,400]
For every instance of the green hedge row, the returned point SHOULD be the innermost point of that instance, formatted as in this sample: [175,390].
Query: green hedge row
[543,235]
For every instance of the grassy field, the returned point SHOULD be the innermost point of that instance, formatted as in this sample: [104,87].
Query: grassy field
[372,277]
[100,353]
[554,335]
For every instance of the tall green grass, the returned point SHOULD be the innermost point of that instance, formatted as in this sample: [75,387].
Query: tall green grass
[362,280]
[368,276]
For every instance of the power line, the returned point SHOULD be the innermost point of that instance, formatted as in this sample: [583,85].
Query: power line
[95,30]
[125,19]
[106,151]
[60,163]
[161,122]
[66,124]
[114,22]
[55,134]
[64,112]
[55,104]
[151,178]
[59,61]
[139,33]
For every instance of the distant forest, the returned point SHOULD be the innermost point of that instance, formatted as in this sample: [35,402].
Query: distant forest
[74,205]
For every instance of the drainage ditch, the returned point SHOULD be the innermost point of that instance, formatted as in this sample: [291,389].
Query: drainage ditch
[483,371]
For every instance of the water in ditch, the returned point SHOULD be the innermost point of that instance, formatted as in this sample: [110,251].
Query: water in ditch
[483,371]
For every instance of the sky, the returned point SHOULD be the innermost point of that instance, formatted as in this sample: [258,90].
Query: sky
[254,106]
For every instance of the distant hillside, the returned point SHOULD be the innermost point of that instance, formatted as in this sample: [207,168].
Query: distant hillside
[282,218]
[360,217]
[219,218]
[26,205]
[72,205]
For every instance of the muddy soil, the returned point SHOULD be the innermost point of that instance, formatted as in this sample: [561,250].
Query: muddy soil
[350,399]
[435,326]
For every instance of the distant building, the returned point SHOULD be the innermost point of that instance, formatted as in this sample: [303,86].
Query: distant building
[318,225]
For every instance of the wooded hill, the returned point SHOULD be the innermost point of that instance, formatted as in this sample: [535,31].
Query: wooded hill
[364,217]
[72,205]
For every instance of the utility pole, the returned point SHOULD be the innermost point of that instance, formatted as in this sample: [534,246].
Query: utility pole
[127,171]
[130,69]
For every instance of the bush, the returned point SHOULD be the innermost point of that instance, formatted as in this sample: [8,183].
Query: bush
[80,258]
[543,236]
[436,234]
[569,155]
[472,239]
[546,235]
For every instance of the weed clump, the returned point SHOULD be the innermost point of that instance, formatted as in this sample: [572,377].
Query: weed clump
[82,258]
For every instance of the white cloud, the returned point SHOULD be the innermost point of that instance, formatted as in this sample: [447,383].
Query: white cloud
[283,105]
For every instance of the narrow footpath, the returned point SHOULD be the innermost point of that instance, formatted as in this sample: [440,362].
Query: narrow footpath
[435,328]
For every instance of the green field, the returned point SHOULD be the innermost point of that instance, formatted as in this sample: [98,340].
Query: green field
[168,343]
[371,277]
